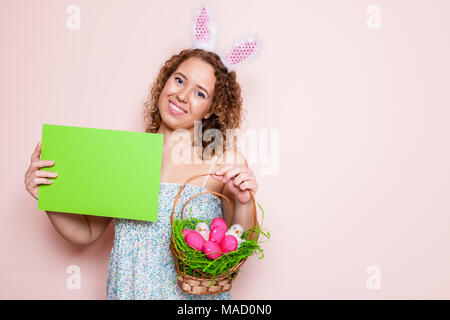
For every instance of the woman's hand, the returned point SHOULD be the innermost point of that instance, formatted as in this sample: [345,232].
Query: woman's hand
[34,176]
[238,179]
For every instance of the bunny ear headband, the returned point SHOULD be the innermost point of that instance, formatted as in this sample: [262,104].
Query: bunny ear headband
[204,36]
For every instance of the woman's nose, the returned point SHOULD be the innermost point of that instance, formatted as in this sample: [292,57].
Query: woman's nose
[183,94]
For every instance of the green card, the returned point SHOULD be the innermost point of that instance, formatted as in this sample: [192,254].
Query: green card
[102,172]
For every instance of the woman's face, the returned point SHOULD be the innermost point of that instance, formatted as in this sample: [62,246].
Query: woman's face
[187,94]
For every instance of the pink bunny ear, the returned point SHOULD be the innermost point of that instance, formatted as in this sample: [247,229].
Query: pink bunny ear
[240,51]
[204,29]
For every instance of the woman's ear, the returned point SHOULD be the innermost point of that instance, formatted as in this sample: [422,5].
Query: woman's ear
[206,116]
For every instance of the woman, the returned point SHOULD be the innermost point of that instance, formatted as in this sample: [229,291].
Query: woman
[191,86]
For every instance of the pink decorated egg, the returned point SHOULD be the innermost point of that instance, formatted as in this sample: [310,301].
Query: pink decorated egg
[212,250]
[218,222]
[195,240]
[228,243]
[217,234]
[185,232]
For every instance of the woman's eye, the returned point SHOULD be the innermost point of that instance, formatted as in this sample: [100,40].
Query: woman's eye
[180,81]
[201,94]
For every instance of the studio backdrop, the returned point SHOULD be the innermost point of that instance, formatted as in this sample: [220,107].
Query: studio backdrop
[346,124]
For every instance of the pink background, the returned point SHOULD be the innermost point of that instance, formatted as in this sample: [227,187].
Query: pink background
[362,116]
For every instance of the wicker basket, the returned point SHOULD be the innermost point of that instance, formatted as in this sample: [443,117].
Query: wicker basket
[199,282]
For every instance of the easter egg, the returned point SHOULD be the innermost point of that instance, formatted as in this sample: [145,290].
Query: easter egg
[185,232]
[203,229]
[201,226]
[218,222]
[195,240]
[236,230]
[212,250]
[217,234]
[228,243]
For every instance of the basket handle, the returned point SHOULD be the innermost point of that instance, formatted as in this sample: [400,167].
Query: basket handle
[214,193]
[172,215]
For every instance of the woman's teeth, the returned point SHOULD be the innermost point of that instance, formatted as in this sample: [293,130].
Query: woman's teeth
[176,108]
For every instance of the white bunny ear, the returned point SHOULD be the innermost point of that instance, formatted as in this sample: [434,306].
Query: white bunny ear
[241,50]
[204,29]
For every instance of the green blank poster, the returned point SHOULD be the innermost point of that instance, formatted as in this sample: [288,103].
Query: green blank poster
[102,172]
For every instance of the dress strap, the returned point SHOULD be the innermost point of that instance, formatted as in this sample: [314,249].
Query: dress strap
[210,170]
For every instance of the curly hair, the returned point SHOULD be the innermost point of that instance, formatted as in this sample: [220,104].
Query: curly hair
[226,104]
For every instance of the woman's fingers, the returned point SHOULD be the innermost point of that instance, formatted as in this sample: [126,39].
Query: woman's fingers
[38,181]
[33,176]
[36,161]
[244,176]
[45,174]
[249,184]
[234,171]
[43,163]
[36,155]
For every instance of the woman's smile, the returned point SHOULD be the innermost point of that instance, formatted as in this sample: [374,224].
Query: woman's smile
[176,109]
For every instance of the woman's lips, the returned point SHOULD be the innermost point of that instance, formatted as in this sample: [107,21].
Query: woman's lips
[174,110]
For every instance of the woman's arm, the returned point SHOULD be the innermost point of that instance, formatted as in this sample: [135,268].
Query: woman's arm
[242,213]
[78,229]
[239,178]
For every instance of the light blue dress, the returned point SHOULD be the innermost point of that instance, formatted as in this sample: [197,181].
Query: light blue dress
[141,265]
